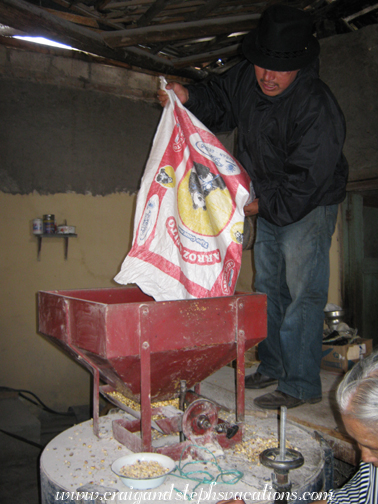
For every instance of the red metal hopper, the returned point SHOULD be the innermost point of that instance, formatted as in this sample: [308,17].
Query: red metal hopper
[145,349]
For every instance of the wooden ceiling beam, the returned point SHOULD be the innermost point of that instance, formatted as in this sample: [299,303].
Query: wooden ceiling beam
[74,18]
[132,3]
[180,31]
[101,4]
[36,21]
[146,18]
[201,12]
[82,9]
[162,65]
[196,59]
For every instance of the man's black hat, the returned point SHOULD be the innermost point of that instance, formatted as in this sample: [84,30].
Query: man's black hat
[283,40]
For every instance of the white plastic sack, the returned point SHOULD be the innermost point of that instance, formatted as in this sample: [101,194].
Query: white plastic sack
[188,227]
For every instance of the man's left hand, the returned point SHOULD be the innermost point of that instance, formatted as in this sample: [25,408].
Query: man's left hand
[252,208]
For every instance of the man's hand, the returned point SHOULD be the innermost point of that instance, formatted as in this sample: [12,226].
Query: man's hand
[180,91]
[252,208]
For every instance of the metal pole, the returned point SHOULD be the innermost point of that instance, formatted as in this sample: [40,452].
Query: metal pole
[182,404]
[283,433]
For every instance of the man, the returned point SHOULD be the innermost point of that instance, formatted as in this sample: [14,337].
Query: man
[357,397]
[291,133]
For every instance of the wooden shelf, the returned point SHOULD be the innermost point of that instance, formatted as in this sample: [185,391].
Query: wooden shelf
[66,236]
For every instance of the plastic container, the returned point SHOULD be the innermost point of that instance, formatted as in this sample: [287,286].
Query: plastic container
[64,229]
[37,226]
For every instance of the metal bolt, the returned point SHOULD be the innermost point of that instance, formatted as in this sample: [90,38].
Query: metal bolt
[145,345]
[203,422]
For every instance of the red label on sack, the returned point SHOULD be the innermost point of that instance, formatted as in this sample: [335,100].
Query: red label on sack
[228,277]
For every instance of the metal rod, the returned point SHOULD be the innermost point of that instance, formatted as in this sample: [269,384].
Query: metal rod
[182,404]
[240,368]
[182,394]
[283,433]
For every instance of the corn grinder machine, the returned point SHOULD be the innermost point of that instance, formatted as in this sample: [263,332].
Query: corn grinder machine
[152,351]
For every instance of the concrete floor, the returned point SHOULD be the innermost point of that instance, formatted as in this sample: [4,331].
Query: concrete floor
[24,431]
[19,460]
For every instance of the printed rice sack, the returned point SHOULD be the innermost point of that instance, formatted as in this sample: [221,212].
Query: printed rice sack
[188,228]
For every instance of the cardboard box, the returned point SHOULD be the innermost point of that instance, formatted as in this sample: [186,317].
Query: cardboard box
[341,358]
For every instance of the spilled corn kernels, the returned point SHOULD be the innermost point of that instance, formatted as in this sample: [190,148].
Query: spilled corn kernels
[136,406]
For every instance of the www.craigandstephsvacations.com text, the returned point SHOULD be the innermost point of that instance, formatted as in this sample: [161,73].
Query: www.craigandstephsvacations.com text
[193,497]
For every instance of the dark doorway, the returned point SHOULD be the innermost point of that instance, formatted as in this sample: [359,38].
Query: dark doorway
[360,230]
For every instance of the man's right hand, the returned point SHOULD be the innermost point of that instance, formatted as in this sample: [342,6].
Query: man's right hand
[180,91]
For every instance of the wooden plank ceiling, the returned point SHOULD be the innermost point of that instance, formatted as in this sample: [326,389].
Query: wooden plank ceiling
[186,38]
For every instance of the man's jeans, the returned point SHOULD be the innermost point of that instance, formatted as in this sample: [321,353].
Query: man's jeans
[292,268]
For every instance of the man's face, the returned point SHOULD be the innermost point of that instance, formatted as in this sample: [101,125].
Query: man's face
[273,83]
[367,439]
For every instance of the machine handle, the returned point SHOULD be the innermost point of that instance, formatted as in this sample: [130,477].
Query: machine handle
[270,458]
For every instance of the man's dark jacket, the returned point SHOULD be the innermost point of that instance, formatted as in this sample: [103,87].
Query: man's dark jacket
[290,144]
